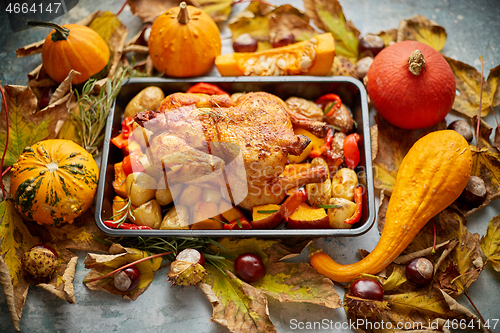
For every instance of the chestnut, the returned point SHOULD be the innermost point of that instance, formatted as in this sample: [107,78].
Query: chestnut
[419,271]
[474,192]
[245,43]
[283,40]
[462,128]
[127,279]
[370,45]
[191,255]
[367,288]
[249,267]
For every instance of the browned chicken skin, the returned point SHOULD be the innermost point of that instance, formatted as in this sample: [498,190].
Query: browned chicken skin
[195,135]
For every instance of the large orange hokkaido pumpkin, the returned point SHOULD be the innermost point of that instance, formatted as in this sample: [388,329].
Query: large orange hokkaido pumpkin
[184,41]
[411,85]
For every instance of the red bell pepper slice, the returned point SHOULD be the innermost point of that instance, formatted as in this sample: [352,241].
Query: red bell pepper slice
[121,140]
[132,163]
[327,98]
[327,146]
[126,225]
[206,88]
[358,199]
[351,150]
[243,221]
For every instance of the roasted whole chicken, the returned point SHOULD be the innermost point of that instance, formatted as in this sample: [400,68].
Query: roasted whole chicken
[241,142]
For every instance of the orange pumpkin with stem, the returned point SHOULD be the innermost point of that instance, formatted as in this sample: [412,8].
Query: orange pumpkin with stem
[411,85]
[73,46]
[184,41]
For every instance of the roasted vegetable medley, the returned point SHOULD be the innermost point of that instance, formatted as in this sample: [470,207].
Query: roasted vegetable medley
[205,159]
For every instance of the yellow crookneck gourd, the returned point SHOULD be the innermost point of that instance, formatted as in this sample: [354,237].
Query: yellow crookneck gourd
[431,176]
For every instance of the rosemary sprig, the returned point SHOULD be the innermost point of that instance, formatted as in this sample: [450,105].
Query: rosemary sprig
[211,249]
[124,213]
[93,110]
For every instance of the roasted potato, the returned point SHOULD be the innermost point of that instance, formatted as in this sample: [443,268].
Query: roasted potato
[306,108]
[319,193]
[191,194]
[147,99]
[176,218]
[343,184]
[165,194]
[342,119]
[141,188]
[149,214]
[337,216]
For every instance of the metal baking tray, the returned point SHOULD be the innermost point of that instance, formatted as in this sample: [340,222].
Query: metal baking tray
[351,91]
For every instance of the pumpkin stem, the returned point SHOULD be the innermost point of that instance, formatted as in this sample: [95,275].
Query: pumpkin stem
[61,33]
[183,16]
[416,62]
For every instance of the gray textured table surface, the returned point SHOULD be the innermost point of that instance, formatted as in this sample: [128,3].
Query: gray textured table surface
[473,29]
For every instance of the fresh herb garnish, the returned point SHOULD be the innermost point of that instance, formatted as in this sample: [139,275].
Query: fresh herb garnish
[267,211]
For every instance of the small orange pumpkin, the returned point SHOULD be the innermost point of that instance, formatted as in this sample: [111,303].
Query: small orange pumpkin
[73,46]
[54,181]
[184,41]
[411,85]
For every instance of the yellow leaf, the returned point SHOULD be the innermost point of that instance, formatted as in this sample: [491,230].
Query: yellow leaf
[490,243]
[423,30]
[468,81]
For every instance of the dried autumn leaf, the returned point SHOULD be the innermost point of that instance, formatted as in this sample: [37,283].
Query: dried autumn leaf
[490,243]
[61,283]
[254,20]
[389,36]
[267,24]
[468,81]
[236,305]
[327,15]
[423,30]
[83,234]
[285,20]
[149,10]
[114,32]
[10,297]
[486,165]
[15,239]
[298,282]
[219,10]
[23,129]
[393,144]
[103,264]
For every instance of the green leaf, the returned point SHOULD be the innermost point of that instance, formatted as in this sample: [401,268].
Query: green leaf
[24,130]
[490,243]
[327,15]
